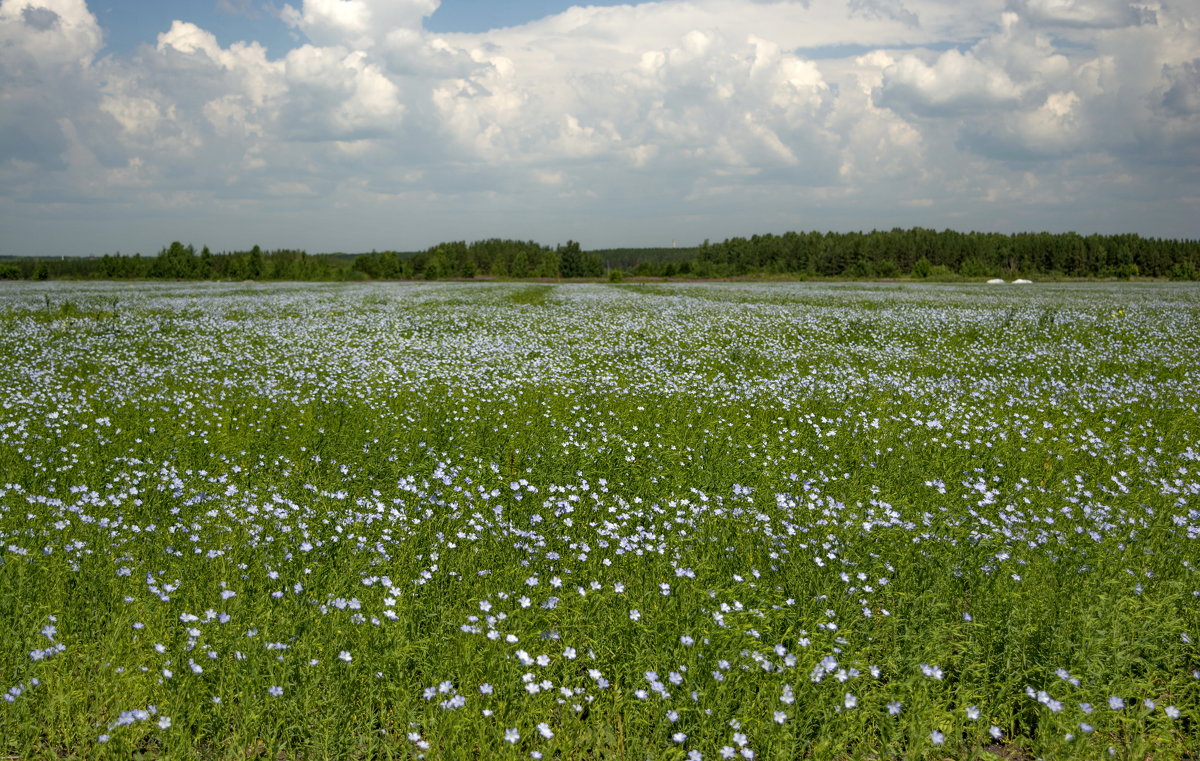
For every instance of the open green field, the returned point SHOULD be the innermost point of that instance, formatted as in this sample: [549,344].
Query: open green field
[450,521]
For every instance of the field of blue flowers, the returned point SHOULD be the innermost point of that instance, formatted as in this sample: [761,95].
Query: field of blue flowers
[600,521]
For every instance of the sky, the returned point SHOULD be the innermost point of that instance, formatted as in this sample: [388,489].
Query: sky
[357,125]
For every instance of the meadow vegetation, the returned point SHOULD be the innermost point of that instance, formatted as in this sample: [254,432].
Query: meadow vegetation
[599,521]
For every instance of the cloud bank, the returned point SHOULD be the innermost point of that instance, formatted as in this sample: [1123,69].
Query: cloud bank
[636,124]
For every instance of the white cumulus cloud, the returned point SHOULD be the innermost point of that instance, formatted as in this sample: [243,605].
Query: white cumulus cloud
[678,119]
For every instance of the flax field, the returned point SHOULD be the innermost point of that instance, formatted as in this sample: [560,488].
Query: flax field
[599,521]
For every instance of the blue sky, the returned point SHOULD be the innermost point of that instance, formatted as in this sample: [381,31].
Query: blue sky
[395,124]
[130,23]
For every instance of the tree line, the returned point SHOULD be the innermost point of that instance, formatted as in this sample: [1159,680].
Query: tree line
[924,253]
[488,258]
[484,258]
[180,262]
[916,253]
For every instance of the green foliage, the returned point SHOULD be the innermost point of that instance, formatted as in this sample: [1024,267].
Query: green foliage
[974,266]
[922,268]
[437,265]
[533,295]
[926,254]
[573,262]
[966,496]
[1185,271]
[942,273]
[973,254]
[520,265]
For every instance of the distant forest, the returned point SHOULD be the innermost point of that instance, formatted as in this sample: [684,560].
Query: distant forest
[915,253]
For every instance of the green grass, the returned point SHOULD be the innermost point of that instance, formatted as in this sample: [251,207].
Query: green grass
[994,487]
[531,295]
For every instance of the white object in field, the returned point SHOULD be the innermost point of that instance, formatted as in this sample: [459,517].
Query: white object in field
[996,281]
[1022,280]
